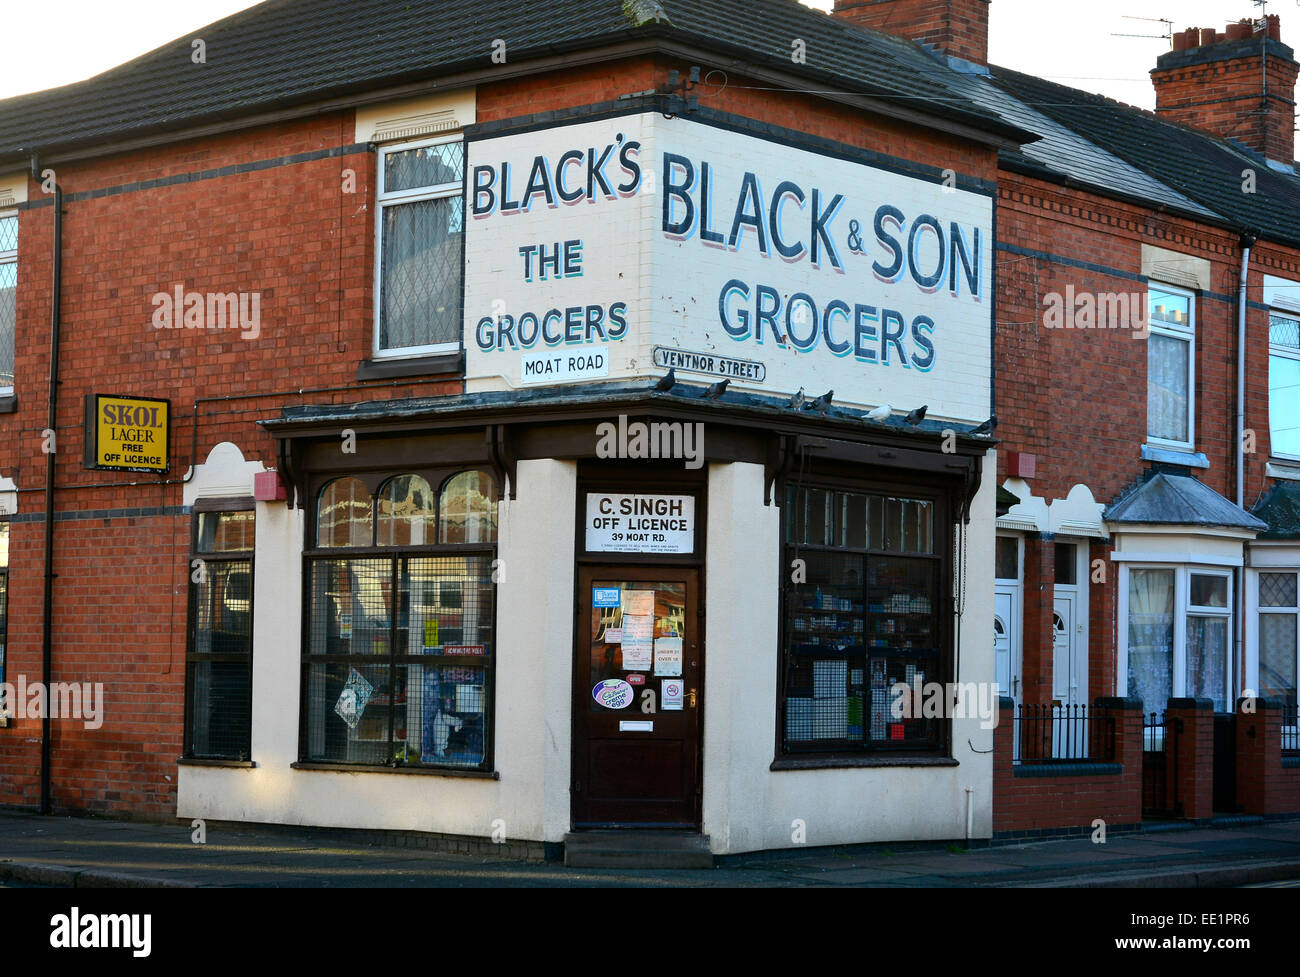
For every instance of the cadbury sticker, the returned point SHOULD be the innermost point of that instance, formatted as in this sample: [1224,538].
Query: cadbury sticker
[613,693]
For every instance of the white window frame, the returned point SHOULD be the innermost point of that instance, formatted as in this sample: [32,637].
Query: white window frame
[1183,609]
[1286,352]
[384,198]
[10,258]
[1187,335]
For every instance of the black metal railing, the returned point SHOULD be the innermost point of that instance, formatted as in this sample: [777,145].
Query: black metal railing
[1290,729]
[1048,733]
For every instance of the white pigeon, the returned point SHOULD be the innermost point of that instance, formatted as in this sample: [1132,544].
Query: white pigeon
[881,413]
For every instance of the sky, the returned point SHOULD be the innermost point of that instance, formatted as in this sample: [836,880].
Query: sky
[1063,41]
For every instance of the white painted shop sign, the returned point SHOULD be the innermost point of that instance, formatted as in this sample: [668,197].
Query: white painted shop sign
[640,523]
[649,243]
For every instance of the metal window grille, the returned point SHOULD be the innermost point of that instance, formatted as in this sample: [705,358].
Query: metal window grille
[399,654]
[862,620]
[219,662]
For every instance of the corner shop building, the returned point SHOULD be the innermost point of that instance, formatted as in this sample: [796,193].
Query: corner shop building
[407,615]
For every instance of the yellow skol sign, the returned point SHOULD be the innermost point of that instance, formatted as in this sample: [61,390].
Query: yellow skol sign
[130,433]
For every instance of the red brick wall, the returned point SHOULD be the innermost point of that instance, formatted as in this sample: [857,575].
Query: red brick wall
[1064,801]
[1264,785]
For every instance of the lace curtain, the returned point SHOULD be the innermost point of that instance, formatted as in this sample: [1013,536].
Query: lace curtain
[1167,388]
[1151,637]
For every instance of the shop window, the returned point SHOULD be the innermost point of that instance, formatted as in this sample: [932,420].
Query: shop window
[862,617]
[1179,623]
[1171,357]
[1284,385]
[344,514]
[8,298]
[420,232]
[1279,612]
[400,649]
[220,660]
[467,509]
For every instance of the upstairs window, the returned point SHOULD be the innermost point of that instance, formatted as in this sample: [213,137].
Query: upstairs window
[8,298]
[419,239]
[1284,385]
[1171,359]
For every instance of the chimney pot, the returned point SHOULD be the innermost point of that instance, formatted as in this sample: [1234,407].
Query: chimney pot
[1240,31]
[1207,36]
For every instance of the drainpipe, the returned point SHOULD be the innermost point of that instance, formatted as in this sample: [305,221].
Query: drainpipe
[47,612]
[1247,241]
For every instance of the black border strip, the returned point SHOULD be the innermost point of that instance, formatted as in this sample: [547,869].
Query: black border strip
[724,120]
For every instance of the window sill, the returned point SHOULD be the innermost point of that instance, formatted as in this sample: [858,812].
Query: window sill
[1099,769]
[416,366]
[833,763]
[8,404]
[201,762]
[1284,469]
[1173,456]
[376,768]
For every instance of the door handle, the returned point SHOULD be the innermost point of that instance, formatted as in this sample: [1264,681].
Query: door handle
[690,696]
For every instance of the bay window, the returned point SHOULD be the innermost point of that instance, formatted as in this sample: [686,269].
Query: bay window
[1284,385]
[419,254]
[1171,359]
[1178,635]
[400,645]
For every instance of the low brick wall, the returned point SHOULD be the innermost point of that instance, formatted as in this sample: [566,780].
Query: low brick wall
[1267,781]
[1034,799]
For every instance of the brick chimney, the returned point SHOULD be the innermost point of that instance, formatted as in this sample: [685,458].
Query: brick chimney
[1239,84]
[956,27]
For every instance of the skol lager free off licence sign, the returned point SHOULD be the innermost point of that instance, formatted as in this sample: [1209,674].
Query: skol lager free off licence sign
[130,433]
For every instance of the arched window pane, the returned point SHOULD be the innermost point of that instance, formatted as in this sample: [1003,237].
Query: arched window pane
[468,509]
[343,515]
[407,512]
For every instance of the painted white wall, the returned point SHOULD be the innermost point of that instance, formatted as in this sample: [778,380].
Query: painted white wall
[534,642]
[749,807]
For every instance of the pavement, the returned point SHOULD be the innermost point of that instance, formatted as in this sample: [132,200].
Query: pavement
[97,853]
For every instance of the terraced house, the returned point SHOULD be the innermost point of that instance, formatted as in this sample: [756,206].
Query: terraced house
[528,423]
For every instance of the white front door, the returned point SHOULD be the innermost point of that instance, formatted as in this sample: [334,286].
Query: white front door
[1005,644]
[1069,680]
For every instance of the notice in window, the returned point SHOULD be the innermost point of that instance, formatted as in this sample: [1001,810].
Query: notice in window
[638,641]
[668,656]
[640,603]
[672,691]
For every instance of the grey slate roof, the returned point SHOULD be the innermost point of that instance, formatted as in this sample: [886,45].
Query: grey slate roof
[1280,509]
[1061,152]
[1178,500]
[290,52]
[1190,163]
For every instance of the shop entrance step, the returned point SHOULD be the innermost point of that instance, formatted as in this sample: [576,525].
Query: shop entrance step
[637,849]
